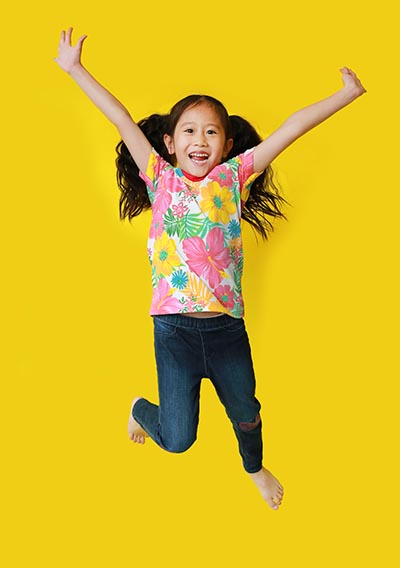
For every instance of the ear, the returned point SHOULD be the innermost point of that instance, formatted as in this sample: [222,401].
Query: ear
[228,146]
[169,142]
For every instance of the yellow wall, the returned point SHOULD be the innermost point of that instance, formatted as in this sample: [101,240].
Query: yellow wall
[321,295]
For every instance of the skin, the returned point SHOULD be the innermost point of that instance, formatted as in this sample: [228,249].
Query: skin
[199,132]
[69,59]
[135,431]
[268,485]
[199,141]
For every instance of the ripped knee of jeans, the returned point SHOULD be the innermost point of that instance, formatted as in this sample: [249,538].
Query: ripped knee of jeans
[249,426]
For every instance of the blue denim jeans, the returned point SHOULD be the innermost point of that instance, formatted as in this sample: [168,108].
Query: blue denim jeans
[188,349]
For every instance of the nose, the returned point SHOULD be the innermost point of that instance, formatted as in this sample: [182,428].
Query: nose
[200,140]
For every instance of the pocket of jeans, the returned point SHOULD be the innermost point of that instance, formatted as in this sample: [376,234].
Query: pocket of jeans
[163,327]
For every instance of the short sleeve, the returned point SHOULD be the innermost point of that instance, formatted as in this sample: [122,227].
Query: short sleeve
[155,165]
[246,173]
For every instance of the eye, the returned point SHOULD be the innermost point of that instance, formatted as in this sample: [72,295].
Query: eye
[210,131]
[189,130]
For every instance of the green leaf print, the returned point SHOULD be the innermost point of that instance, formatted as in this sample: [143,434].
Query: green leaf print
[171,223]
[237,277]
[208,225]
[154,278]
[237,310]
[187,226]
[190,225]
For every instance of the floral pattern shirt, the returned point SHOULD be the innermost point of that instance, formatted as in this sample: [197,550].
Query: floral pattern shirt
[195,243]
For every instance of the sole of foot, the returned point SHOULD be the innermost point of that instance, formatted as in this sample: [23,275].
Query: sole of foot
[135,431]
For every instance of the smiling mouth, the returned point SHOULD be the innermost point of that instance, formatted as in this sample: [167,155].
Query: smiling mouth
[198,157]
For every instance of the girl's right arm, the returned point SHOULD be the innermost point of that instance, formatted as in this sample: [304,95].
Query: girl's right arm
[69,59]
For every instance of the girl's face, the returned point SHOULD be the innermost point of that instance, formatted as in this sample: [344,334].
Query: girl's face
[199,141]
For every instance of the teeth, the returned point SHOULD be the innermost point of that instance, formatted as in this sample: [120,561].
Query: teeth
[198,155]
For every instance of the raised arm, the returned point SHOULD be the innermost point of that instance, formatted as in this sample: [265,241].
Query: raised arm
[307,118]
[69,59]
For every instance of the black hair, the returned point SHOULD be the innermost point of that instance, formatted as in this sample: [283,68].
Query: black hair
[264,202]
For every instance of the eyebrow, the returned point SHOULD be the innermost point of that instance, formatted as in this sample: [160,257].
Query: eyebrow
[193,122]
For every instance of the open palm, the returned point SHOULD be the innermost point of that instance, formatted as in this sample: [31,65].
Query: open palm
[69,55]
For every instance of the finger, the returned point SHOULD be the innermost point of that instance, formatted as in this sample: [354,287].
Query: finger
[62,37]
[68,36]
[81,40]
[352,73]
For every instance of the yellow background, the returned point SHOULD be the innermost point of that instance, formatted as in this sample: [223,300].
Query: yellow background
[321,295]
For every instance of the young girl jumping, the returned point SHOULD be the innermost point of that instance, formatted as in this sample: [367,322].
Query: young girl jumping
[201,171]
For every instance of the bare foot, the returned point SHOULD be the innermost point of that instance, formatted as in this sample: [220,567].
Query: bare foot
[135,431]
[269,487]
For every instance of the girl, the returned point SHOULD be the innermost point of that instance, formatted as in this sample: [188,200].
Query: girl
[200,171]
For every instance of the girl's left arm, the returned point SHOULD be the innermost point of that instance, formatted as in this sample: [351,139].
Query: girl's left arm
[307,118]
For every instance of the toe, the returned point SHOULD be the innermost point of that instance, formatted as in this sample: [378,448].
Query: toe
[272,504]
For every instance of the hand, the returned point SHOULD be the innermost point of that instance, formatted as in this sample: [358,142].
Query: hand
[68,55]
[351,82]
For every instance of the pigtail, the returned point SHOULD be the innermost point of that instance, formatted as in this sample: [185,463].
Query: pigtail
[264,201]
[134,198]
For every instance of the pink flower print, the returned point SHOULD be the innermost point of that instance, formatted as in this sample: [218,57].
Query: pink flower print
[163,301]
[191,191]
[190,303]
[207,261]
[157,225]
[162,200]
[225,295]
[167,184]
[222,175]
[169,179]
[179,210]
[194,304]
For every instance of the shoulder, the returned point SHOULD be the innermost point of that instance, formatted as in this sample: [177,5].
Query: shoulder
[156,165]
[242,165]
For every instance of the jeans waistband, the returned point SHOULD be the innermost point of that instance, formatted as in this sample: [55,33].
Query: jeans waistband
[197,323]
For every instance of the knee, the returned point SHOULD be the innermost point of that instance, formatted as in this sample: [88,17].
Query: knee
[179,445]
[250,426]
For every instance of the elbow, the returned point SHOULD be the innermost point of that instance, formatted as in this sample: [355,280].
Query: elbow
[121,118]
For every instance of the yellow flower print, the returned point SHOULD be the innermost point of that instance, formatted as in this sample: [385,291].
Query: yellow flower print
[197,290]
[165,256]
[217,202]
[246,188]
[151,166]
[198,293]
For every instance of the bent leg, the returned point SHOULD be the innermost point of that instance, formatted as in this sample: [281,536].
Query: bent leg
[173,423]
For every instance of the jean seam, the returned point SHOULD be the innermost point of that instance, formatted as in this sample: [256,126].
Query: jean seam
[204,355]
